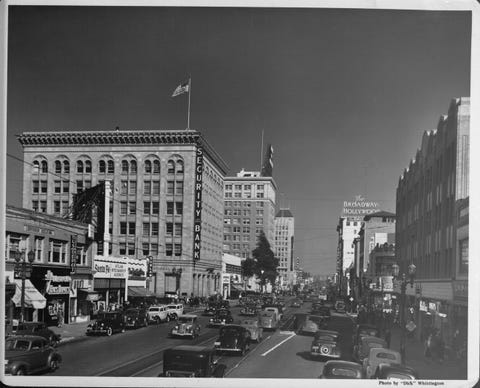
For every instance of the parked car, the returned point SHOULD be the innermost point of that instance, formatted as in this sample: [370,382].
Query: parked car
[363,330]
[174,310]
[28,354]
[233,338]
[254,327]
[339,369]
[311,325]
[107,323]
[321,311]
[296,303]
[38,328]
[268,320]
[210,309]
[158,314]
[135,318]
[340,306]
[379,356]
[191,361]
[186,326]
[275,309]
[395,371]
[326,344]
[249,310]
[367,343]
[222,317]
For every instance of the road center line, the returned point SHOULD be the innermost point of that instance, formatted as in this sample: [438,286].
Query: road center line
[277,345]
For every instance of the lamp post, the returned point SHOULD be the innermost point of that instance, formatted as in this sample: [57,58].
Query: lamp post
[261,279]
[23,269]
[403,288]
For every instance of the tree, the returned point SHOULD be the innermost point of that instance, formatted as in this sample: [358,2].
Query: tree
[248,267]
[266,262]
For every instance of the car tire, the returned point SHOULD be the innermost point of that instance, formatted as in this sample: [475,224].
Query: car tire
[242,352]
[109,332]
[53,365]
[174,317]
[21,372]
[167,319]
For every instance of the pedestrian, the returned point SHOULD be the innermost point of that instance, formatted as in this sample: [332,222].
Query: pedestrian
[439,346]
[428,347]
[388,336]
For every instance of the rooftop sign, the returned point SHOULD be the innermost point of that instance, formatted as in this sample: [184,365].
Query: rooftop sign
[359,208]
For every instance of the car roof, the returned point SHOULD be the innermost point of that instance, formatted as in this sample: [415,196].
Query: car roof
[25,337]
[233,326]
[338,363]
[371,338]
[188,316]
[374,351]
[190,349]
[327,332]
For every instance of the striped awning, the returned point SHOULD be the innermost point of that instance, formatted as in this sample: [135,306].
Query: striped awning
[33,298]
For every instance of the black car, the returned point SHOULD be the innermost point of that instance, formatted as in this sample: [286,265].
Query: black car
[339,369]
[191,361]
[321,311]
[249,310]
[363,330]
[135,318]
[107,323]
[38,328]
[233,338]
[222,317]
[395,371]
[210,309]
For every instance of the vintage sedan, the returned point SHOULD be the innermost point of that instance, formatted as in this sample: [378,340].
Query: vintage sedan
[363,330]
[222,317]
[191,361]
[211,309]
[157,314]
[296,303]
[268,320]
[249,310]
[326,343]
[233,338]
[38,328]
[254,327]
[395,372]
[135,318]
[311,325]
[366,343]
[379,356]
[107,323]
[28,354]
[186,326]
[321,311]
[339,369]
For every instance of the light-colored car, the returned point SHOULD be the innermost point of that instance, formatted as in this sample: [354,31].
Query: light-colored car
[174,310]
[268,320]
[366,344]
[379,356]
[158,314]
[254,327]
[275,310]
[311,325]
[186,326]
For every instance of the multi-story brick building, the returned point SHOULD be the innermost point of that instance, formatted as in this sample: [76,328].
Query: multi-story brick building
[166,197]
[249,210]
[283,246]
[429,195]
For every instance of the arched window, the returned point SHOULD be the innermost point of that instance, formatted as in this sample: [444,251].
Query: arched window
[44,166]
[148,167]
[170,167]
[66,167]
[179,166]
[124,167]
[80,166]
[156,167]
[102,167]
[133,167]
[58,167]
[111,167]
[88,166]
[36,166]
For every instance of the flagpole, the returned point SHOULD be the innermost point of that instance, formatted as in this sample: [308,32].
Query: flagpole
[189,94]
[261,154]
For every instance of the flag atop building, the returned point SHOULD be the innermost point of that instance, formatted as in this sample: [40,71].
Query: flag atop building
[267,168]
[182,88]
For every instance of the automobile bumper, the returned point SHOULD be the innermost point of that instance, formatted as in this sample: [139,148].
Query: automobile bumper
[97,331]
[181,334]
[222,349]
[215,324]
[329,355]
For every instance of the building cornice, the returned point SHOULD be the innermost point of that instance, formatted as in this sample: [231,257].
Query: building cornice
[123,137]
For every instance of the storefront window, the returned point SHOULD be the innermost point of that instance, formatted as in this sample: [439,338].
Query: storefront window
[463,246]
[57,251]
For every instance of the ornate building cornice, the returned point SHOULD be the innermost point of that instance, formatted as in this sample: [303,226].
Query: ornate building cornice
[122,137]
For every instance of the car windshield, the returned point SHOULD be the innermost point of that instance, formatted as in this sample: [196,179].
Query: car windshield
[186,320]
[229,331]
[17,345]
[153,309]
[344,372]
[132,312]
[222,313]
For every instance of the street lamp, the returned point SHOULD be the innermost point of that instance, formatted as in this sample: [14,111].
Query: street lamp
[261,279]
[24,270]
[403,289]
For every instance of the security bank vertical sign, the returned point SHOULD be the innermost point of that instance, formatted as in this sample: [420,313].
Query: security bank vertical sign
[197,216]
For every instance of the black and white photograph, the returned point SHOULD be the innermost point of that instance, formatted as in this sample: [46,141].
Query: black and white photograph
[239,193]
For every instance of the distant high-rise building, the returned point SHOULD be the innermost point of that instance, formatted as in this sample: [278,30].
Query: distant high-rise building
[283,246]
[249,209]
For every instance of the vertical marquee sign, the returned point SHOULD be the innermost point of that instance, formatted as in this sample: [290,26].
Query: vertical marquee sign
[197,216]
[73,253]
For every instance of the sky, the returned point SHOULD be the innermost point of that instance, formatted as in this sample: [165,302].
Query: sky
[343,95]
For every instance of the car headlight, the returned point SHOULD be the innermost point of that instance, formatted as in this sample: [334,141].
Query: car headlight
[314,347]
[167,374]
[211,319]
[176,327]
[216,343]
[223,320]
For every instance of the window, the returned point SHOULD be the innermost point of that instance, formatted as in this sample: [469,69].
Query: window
[228,187]
[133,188]
[179,208]
[123,227]
[156,167]
[123,207]
[146,208]
[44,167]
[170,167]
[131,248]
[131,228]
[179,188]
[178,249]
[133,167]
[236,229]
[39,241]
[43,187]
[463,246]
[178,229]
[79,167]
[124,167]
[259,203]
[156,208]
[122,248]
[170,208]
[58,167]
[154,249]
[238,187]
[66,167]
[170,187]
[169,228]
[66,186]
[110,167]
[246,221]
[57,187]
[145,249]
[35,206]
[102,167]
[259,212]
[260,187]
[35,187]
[156,188]
[56,207]
[58,251]
[36,167]
[88,166]
[168,249]
[124,187]
[246,229]
[43,206]
[237,195]
[146,229]
[132,208]
[154,228]
[147,188]
[179,167]
[88,184]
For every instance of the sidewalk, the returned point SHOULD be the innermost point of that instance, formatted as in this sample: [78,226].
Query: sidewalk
[428,370]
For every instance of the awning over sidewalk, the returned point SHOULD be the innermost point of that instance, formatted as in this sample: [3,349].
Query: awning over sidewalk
[236,287]
[139,292]
[33,298]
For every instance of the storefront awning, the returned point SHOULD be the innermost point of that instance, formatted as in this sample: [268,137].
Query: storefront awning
[33,298]
[139,292]
[236,287]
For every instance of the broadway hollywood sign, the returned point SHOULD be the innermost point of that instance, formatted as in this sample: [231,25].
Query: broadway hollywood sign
[359,208]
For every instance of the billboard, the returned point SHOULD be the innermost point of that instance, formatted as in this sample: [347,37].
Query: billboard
[359,208]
